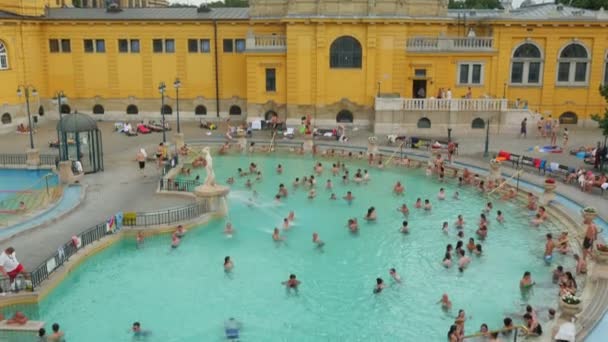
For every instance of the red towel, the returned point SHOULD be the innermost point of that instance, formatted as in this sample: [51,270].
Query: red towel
[536,162]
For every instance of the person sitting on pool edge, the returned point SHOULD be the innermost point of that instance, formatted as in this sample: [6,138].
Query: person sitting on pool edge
[18,318]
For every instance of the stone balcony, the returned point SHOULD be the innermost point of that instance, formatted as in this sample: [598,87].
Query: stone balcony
[265,43]
[450,44]
[440,105]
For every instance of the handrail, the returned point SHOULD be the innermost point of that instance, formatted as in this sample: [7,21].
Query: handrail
[516,328]
[394,153]
[517,173]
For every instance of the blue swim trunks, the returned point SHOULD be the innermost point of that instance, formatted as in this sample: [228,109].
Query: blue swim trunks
[548,258]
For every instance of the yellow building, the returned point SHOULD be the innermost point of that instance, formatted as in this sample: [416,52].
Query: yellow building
[123,3]
[378,63]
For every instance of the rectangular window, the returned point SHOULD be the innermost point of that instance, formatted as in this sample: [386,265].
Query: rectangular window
[420,72]
[88,46]
[563,72]
[100,46]
[192,45]
[580,73]
[123,45]
[157,45]
[534,73]
[470,73]
[228,45]
[66,46]
[606,73]
[134,45]
[205,46]
[3,62]
[517,72]
[271,80]
[240,45]
[169,45]
[54,45]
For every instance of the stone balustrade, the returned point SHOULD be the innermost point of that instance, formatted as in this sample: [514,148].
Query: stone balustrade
[269,43]
[439,44]
[443,105]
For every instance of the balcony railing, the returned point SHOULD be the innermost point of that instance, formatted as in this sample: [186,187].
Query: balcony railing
[266,43]
[439,44]
[442,105]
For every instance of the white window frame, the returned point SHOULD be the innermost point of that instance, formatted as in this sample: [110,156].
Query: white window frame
[3,56]
[470,76]
[526,70]
[572,70]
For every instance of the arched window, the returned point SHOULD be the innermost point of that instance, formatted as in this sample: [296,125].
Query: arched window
[344,116]
[132,109]
[269,114]
[65,109]
[345,52]
[3,56]
[6,119]
[98,109]
[41,110]
[235,110]
[200,110]
[526,65]
[573,65]
[424,123]
[478,123]
[167,110]
[568,118]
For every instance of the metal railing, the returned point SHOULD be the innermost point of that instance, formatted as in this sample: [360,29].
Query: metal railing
[13,159]
[178,185]
[49,159]
[426,44]
[168,216]
[506,334]
[455,105]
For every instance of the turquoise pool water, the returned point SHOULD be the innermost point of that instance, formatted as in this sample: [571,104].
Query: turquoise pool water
[184,294]
[12,180]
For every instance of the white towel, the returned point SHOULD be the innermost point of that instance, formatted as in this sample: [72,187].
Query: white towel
[554,166]
[257,124]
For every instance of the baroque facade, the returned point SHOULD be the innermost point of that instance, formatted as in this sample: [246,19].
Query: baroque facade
[381,63]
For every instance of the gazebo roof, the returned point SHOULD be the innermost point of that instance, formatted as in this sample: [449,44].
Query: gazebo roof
[71,123]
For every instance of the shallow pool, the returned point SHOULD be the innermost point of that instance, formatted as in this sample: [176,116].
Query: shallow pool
[184,294]
[15,180]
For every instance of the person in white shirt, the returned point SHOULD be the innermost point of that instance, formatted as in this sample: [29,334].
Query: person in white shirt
[9,266]
[448,94]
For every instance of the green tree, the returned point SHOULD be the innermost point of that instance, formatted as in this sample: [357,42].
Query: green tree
[602,120]
[229,3]
[474,4]
[179,5]
[586,4]
[77,3]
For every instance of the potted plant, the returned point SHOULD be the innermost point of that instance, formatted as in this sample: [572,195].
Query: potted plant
[589,214]
[550,184]
[602,253]
[570,305]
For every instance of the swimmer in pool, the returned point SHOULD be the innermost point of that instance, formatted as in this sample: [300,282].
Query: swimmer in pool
[404,228]
[418,204]
[444,228]
[463,261]
[228,230]
[483,220]
[459,222]
[471,245]
[447,260]
[398,189]
[312,193]
[478,250]
[140,239]
[549,246]
[427,205]
[292,216]
[379,285]
[285,224]
[333,197]
[319,168]
[460,234]
[542,212]
[248,183]
[279,169]
[228,265]
[441,195]
[292,282]
[500,217]
[283,190]
[488,207]
[531,202]
[393,273]
[296,182]
[482,232]
[329,185]
[317,241]
[353,225]
[276,236]
[175,241]
[536,221]
[563,243]
[456,195]
[404,209]
[349,197]
[138,332]
[526,281]
[371,214]
[446,303]
[180,231]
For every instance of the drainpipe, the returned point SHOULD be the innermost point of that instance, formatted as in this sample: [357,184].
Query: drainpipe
[217,72]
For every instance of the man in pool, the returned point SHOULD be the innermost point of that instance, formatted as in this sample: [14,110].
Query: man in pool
[276,235]
[379,285]
[349,197]
[292,282]
[232,329]
[549,246]
[427,205]
[317,241]
[393,273]
[404,228]
[138,332]
[282,190]
[398,189]
[526,282]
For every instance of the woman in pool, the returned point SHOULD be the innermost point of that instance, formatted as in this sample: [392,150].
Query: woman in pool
[317,241]
[228,230]
[404,228]
[180,231]
[500,217]
[286,223]
[228,265]
[276,236]
[353,225]
[393,273]
[477,251]
[471,245]
[398,189]
[459,224]
[536,221]
[542,212]
[454,334]
[447,258]
[379,285]
[531,202]
[482,232]
[427,205]
[441,195]
[371,214]
[483,220]
[404,209]
[292,282]
[175,241]
[526,281]
[445,228]
[459,321]
[418,203]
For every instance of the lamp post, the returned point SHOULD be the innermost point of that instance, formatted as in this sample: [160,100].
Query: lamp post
[161,90]
[177,84]
[59,95]
[485,150]
[28,91]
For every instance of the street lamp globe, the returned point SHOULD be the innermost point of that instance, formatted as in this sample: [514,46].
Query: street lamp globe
[19,92]
[177,84]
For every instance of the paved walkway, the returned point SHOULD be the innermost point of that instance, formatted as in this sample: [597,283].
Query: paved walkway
[121,188]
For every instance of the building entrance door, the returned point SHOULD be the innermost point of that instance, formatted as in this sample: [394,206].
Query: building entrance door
[419,89]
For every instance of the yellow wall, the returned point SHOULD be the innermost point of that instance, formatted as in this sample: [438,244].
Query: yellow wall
[303,73]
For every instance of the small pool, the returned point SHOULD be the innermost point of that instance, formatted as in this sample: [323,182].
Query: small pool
[184,294]
[13,181]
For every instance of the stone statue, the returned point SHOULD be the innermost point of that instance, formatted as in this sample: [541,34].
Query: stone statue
[210,180]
